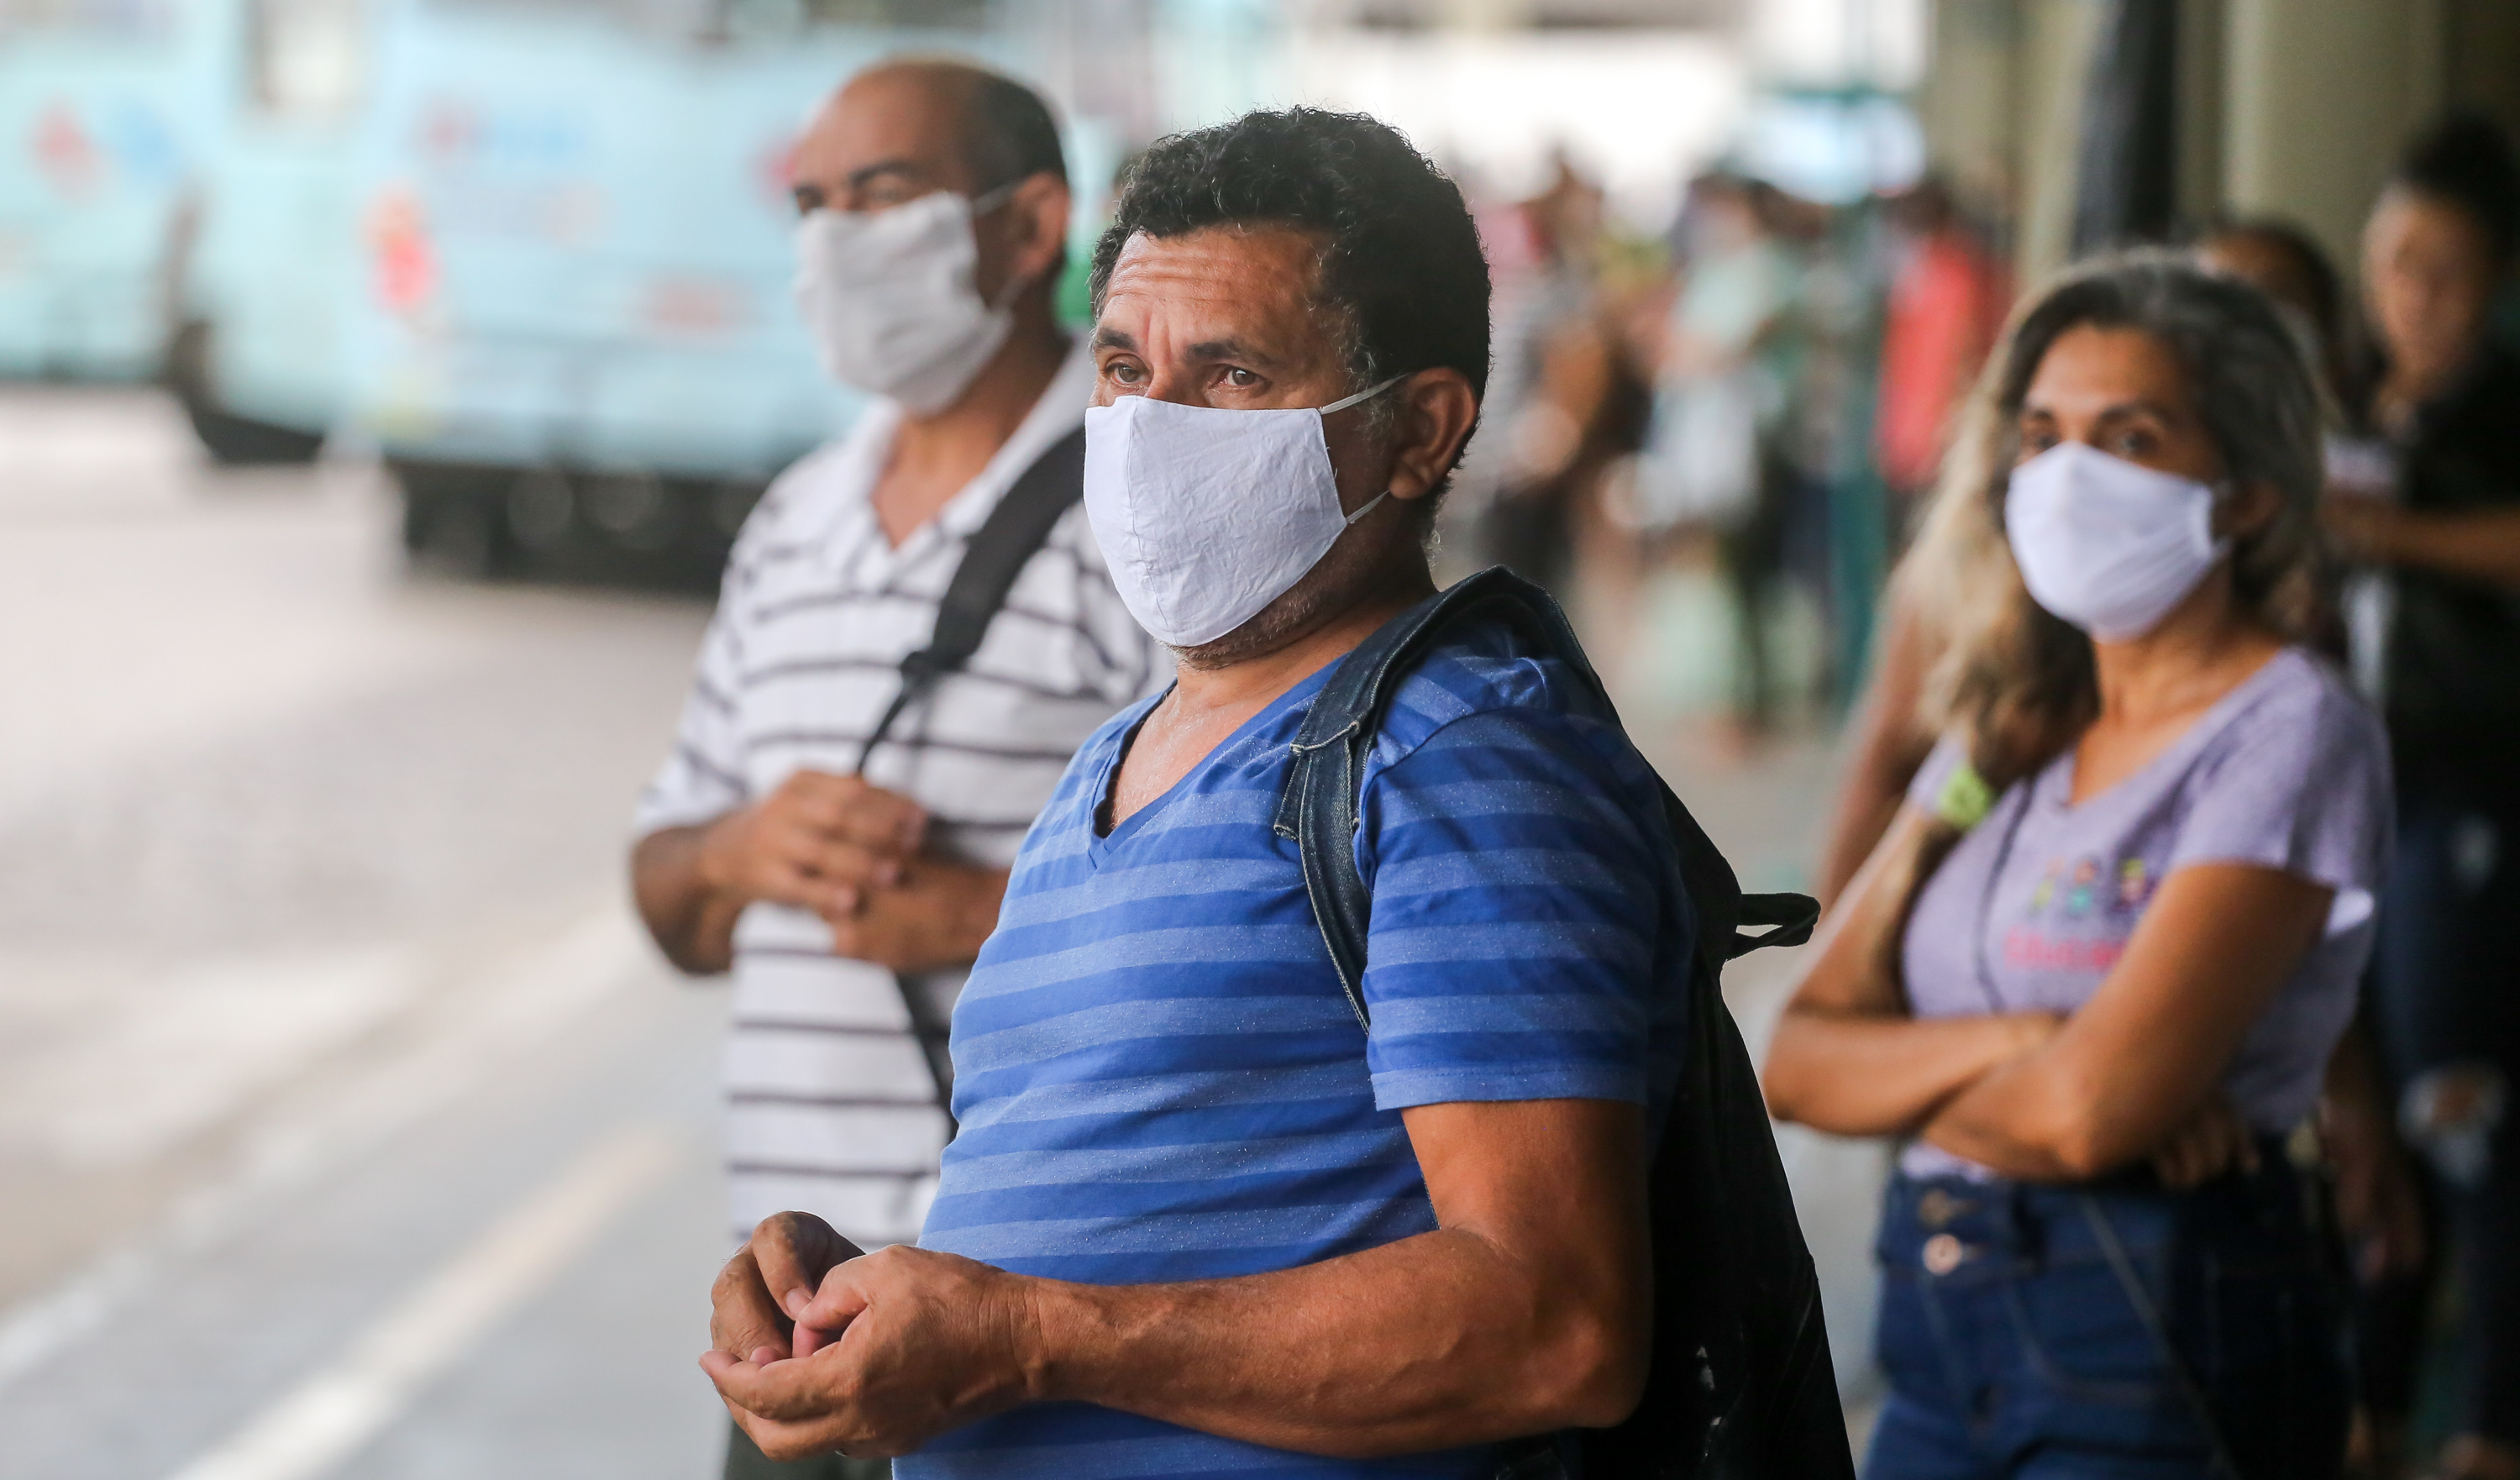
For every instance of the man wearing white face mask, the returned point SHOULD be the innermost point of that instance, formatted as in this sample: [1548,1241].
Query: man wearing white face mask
[1220,1203]
[851,776]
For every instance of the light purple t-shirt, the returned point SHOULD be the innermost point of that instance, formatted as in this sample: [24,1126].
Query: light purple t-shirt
[2032,908]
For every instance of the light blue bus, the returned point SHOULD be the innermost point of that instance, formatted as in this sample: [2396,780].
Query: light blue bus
[534,252]
[569,329]
[105,114]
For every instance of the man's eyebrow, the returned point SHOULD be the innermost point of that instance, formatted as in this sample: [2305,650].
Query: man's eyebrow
[1112,338]
[1232,349]
[866,173]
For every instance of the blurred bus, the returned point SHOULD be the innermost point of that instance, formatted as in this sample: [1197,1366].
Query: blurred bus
[533,252]
[570,330]
[253,344]
[538,256]
[105,113]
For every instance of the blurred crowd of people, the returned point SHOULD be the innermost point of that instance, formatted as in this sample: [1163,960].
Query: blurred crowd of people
[1763,394]
[1780,394]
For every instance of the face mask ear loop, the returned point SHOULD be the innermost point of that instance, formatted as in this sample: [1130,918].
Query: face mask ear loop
[1367,395]
[981,205]
[1369,505]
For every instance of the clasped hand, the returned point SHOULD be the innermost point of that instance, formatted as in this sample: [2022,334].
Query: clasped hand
[820,1348]
[852,853]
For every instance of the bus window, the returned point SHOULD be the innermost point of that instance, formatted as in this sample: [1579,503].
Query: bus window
[118,19]
[929,15]
[770,16]
[306,61]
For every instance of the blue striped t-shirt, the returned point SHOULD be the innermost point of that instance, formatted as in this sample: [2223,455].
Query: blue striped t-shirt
[1158,1078]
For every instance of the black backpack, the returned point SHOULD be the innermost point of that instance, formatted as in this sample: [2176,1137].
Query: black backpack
[1740,1386]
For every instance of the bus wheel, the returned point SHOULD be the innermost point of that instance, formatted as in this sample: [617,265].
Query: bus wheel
[452,524]
[232,439]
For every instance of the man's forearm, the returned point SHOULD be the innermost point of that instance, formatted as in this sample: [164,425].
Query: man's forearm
[2482,546]
[1426,1343]
[692,921]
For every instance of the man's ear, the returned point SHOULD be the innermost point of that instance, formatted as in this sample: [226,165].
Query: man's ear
[1436,412]
[1035,228]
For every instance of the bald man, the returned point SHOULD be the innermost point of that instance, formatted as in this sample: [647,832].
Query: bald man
[847,886]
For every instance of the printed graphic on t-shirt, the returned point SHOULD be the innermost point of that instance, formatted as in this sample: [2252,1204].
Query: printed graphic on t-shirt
[2053,936]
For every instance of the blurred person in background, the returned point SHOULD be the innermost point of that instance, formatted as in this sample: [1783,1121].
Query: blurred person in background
[2378,1202]
[1946,303]
[1714,460]
[1566,397]
[2445,530]
[847,882]
[1889,739]
[2095,969]
[1837,526]
[2378,1191]
[2287,263]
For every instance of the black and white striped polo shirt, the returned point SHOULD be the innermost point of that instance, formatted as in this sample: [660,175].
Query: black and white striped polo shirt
[831,1108]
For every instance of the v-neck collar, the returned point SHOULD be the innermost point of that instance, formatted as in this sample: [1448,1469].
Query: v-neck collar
[1104,779]
[2057,781]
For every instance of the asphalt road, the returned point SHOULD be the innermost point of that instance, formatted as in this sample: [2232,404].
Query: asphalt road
[347,1127]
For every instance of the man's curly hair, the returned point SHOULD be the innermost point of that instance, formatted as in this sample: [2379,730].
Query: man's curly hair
[1399,257]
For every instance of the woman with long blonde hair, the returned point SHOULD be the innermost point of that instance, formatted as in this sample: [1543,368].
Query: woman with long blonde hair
[2094,971]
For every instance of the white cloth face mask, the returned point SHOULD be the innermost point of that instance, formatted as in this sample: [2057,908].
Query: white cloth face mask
[1207,515]
[890,299]
[2105,544]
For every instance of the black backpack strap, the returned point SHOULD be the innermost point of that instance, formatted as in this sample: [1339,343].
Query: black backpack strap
[1740,1385]
[1317,808]
[1011,534]
[1009,537]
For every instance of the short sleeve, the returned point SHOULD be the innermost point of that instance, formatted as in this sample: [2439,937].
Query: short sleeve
[2301,783]
[1520,907]
[704,777]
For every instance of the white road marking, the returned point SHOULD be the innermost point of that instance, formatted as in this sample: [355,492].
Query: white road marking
[191,1049]
[330,1416]
[533,997]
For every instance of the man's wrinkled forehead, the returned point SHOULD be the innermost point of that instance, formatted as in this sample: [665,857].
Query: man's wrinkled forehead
[1257,285]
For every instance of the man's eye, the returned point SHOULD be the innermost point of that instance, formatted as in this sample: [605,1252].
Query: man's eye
[1123,372]
[1241,378]
[2036,442]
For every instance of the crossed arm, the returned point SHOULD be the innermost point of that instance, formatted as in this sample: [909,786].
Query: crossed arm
[2031,1094]
[1524,1310]
[2482,545]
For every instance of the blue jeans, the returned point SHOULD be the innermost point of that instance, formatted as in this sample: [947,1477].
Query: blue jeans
[2014,1348]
